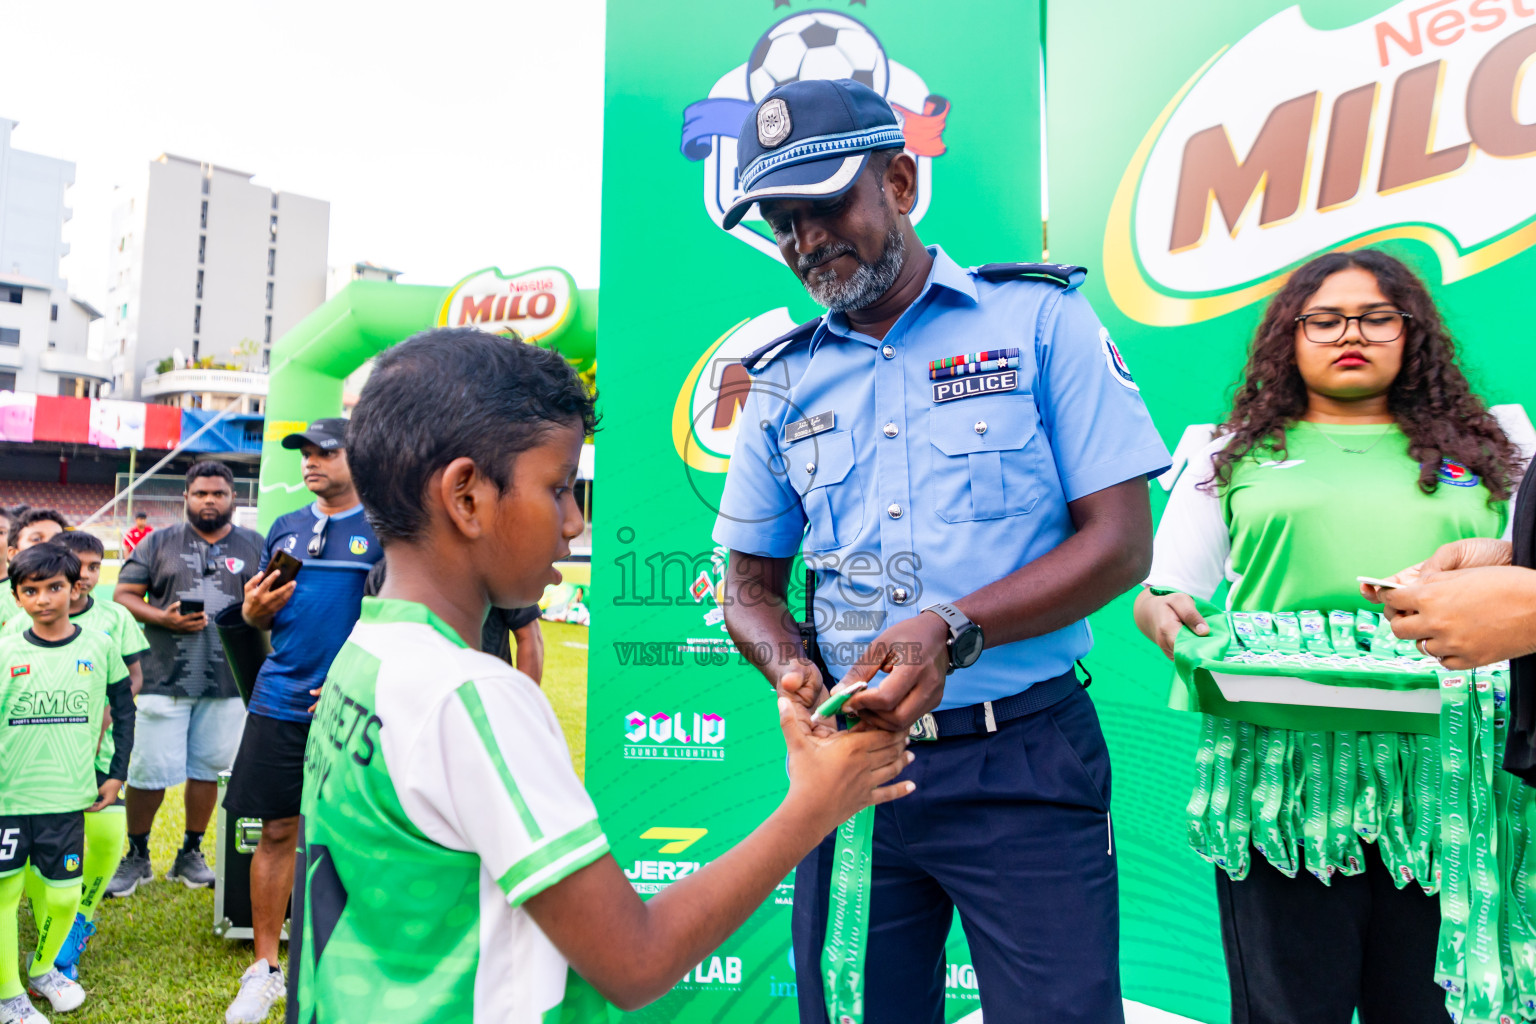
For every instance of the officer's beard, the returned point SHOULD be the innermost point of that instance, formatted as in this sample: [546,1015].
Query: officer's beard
[210,520]
[865,285]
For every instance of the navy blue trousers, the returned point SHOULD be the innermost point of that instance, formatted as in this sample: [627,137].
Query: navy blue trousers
[1012,828]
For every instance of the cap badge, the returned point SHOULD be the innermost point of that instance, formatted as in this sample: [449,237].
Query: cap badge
[773,125]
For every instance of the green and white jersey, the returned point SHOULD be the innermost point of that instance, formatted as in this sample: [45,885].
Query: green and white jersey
[438,797]
[1292,534]
[52,695]
[118,623]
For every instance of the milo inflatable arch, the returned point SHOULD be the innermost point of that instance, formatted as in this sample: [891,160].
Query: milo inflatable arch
[310,362]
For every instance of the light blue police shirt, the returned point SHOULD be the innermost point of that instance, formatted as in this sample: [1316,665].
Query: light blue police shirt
[911,500]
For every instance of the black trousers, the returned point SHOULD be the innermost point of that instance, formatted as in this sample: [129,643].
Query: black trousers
[1300,952]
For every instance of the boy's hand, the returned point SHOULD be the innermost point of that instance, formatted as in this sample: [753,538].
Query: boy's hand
[108,792]
[172,619]
[263,601]
[835,775]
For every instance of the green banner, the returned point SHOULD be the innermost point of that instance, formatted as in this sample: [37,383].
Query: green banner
[1199,154]
[684,755]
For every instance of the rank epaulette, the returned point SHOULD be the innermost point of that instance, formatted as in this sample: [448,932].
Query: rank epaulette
[757,361]
[1057,273]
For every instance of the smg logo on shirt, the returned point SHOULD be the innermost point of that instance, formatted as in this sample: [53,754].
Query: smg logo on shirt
[50,707]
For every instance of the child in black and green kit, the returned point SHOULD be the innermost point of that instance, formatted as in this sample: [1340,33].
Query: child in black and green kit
[56,679]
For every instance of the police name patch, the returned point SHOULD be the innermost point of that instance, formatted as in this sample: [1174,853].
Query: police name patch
[977,384]
[817,424]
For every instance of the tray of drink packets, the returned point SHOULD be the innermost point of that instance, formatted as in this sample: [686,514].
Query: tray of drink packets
[1329,670]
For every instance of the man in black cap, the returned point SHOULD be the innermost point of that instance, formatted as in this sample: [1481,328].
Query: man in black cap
[310,618]
[961,456]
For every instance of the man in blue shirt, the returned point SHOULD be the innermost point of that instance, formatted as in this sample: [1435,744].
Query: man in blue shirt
[966,456]
[310,619]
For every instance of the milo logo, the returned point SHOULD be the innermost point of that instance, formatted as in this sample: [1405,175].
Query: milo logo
[1410,124]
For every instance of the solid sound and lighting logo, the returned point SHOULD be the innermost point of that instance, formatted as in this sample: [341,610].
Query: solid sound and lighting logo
[674,736]
[1417,123]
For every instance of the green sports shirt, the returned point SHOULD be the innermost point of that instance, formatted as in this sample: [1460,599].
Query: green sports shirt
[118,623]
[9,609]
[52,695]
[1292,533]
[438,797]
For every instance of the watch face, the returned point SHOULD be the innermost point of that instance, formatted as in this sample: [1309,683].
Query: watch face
[966,647]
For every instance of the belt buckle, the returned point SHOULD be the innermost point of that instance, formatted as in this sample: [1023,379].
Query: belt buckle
[925,728]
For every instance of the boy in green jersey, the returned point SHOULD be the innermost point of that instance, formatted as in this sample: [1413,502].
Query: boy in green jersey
[33,526]
[56,678]
[105,830]
[451,865]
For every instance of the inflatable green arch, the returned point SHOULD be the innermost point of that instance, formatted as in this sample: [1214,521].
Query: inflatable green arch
[310,362]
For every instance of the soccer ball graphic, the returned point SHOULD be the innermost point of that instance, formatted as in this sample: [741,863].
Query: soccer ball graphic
[816,45]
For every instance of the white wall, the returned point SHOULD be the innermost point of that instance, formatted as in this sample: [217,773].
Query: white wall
[32,211]
[31,317]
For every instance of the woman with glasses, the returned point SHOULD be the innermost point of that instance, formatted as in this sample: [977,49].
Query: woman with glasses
[1353,445]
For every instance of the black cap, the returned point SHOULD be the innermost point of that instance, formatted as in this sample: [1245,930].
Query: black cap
[327,434]
[810,140]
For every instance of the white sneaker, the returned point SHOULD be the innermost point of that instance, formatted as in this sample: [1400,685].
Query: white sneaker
[64,995]
[19,1010]
[260,987]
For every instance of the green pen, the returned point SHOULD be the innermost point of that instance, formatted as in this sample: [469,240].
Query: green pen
[833,704]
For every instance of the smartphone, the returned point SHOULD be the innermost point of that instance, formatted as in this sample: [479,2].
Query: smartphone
[832,705]
[191,606]
[287,568]
[1374,582]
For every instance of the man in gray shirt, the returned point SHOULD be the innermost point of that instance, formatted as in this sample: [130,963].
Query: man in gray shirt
[189,713]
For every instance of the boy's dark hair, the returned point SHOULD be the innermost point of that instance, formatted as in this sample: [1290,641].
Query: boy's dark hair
[81,543]
[141,515]
[208,467]
[453,393]
[30,516]
[43,562]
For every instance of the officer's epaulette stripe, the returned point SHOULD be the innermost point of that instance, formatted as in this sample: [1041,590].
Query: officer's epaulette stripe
[1058,273]
[756,361]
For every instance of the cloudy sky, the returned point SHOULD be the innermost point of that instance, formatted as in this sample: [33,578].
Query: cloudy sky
[447,136]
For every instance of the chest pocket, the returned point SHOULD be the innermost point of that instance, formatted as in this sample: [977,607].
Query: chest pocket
[981,457]
[821,470]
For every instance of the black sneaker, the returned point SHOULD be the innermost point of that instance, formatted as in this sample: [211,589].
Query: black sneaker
[191,870]
[133,869]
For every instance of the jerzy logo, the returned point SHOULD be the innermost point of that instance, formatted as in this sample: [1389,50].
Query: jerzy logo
[648,877]
[1417,123]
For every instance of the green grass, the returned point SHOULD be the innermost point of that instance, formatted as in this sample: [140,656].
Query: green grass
[155,959]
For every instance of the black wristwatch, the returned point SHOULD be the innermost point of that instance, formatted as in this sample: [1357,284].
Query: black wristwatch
[965,639]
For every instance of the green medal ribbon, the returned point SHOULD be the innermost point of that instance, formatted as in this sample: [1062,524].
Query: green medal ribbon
[842,954]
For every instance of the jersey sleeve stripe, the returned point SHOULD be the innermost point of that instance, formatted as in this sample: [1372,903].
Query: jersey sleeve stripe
[553,861]
[470,697]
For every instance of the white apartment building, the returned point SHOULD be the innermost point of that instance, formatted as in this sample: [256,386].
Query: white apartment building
[43,330]
[207,270]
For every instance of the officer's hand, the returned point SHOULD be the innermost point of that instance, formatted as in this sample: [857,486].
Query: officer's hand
[802,683]
[263,601]
[1161,618]
[915,654]
[172,619]
[108,792]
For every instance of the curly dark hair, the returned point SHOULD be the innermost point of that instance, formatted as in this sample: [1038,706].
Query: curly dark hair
[1432,401]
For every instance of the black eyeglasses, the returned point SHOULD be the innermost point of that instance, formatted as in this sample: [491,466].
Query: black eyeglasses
[1378,327]
[317,542]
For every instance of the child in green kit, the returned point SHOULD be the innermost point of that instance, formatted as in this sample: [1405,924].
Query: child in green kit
[56,679]
[106,829]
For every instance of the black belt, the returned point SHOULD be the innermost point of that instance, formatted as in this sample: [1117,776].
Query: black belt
[988,715]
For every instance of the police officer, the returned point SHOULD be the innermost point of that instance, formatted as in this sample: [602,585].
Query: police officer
[966,456]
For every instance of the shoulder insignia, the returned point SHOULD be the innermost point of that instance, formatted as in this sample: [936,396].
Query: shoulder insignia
[1068,277]
[758,361]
